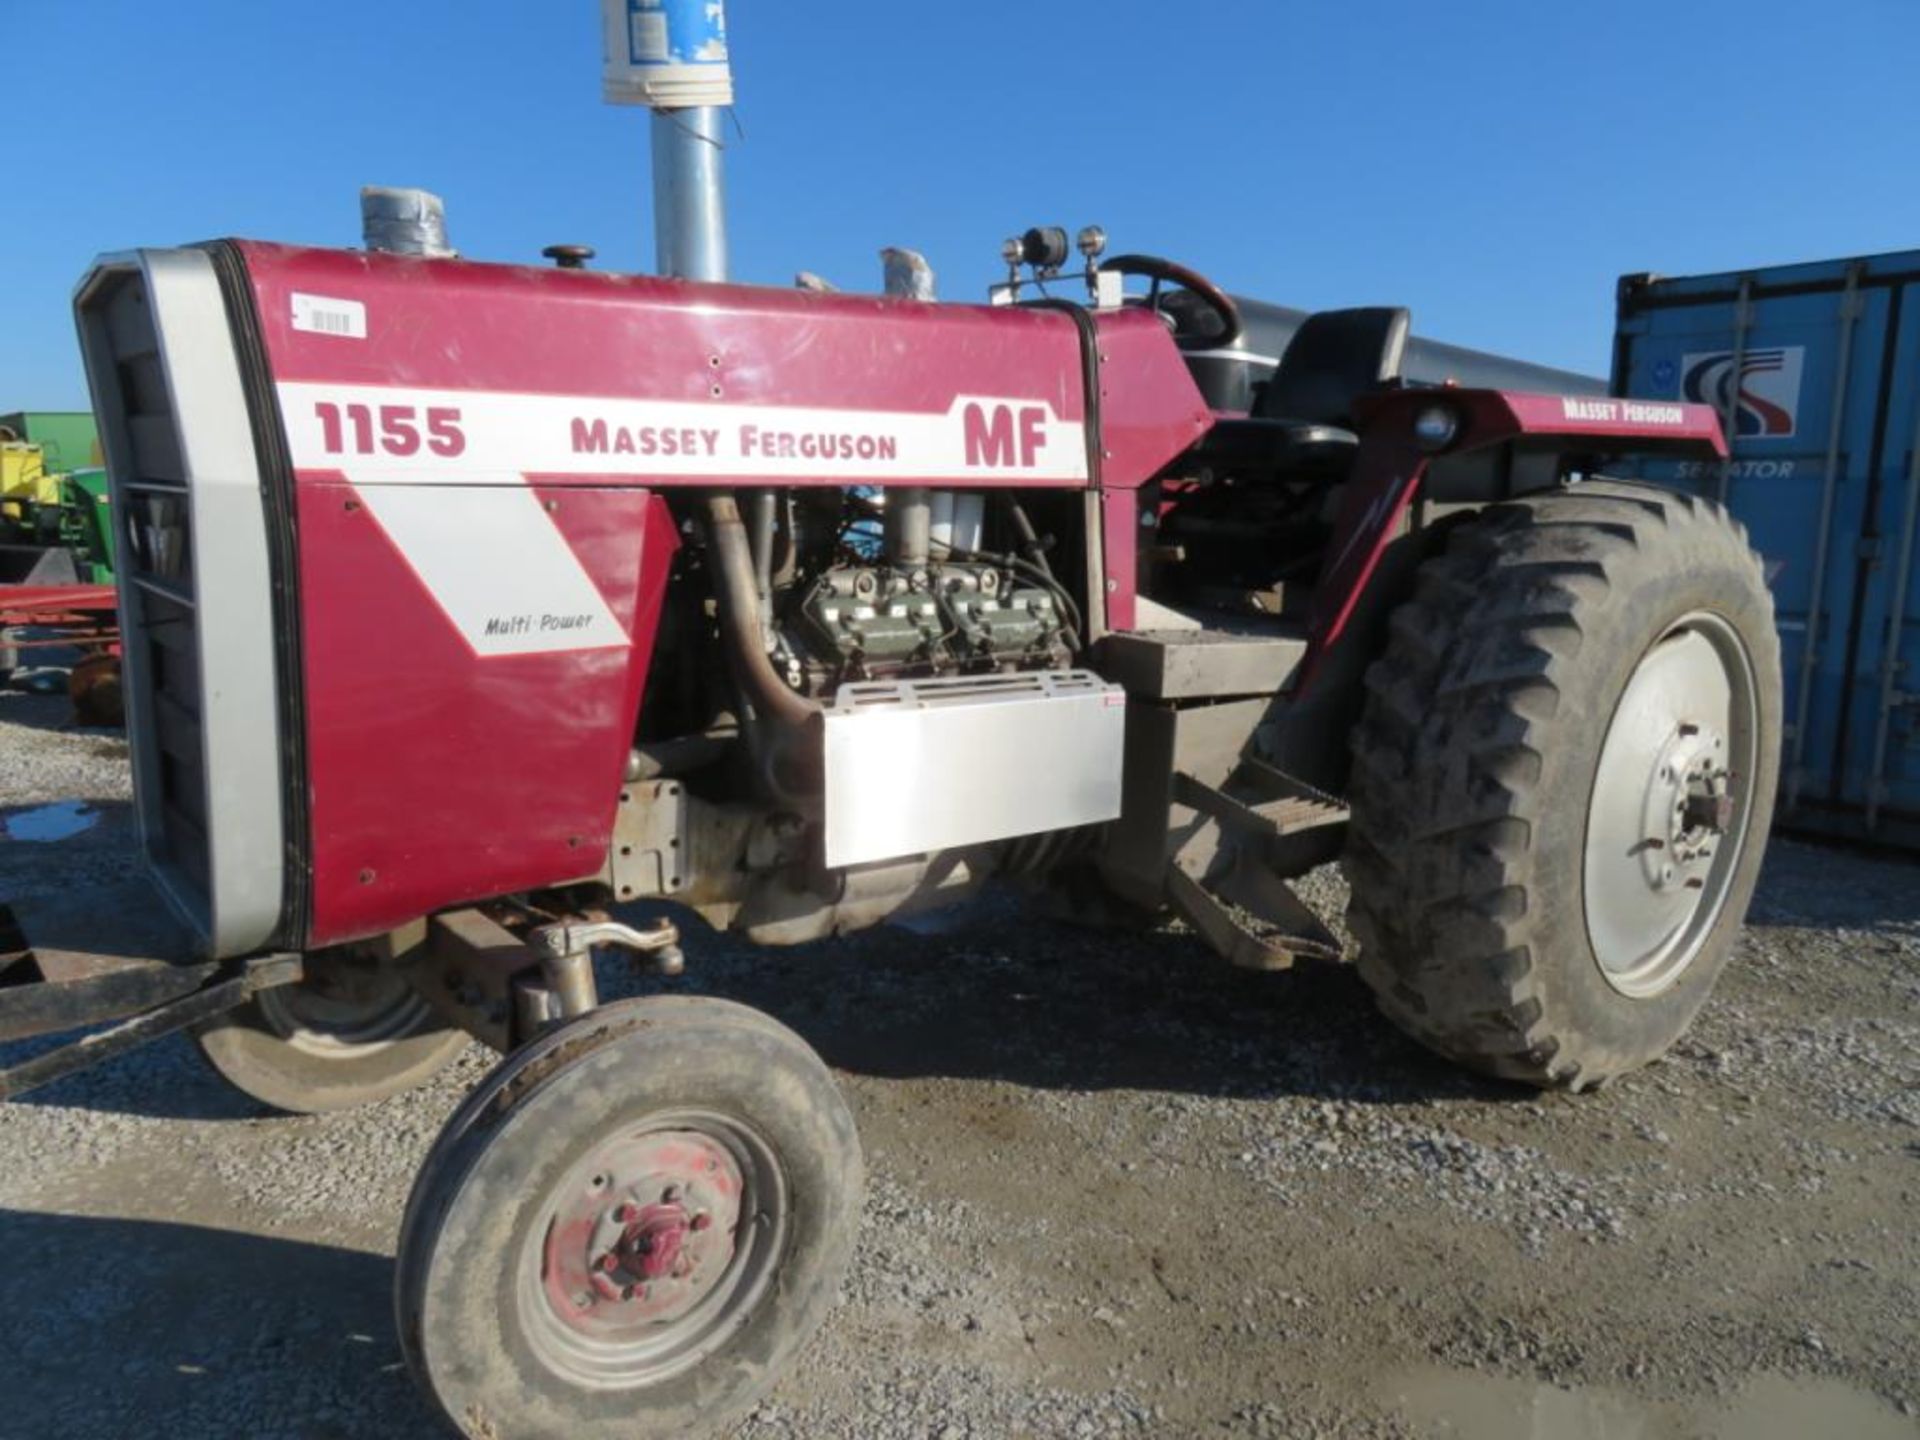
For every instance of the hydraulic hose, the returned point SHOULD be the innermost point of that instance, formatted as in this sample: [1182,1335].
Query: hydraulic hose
[735,587]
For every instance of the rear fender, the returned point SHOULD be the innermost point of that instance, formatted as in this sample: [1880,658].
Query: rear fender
[1504,443]
[1397,503]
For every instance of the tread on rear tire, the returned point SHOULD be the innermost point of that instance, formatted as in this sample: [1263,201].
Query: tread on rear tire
[1475,767]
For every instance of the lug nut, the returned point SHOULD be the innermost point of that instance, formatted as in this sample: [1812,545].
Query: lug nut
[700,1221]
[626,1214]
[670,1194]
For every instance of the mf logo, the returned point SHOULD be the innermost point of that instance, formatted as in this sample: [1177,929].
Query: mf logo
[994,432]
[1767,388]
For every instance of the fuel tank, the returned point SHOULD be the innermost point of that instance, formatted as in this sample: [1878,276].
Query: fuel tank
[1227,374]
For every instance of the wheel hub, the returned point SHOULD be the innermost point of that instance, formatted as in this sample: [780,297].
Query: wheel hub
[1687,807]
[646,1237]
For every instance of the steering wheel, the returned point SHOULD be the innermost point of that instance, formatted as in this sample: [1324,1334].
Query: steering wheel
[1167,272]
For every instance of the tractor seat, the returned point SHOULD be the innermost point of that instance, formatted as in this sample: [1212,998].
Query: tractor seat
[1303,417]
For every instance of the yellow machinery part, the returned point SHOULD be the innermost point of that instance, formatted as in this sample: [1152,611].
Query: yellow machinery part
[24,477]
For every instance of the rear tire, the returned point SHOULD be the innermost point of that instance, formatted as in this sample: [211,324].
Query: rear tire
[348,1035]
[1546,879]
[630,1227]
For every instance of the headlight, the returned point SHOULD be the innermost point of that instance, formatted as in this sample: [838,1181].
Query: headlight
[1435,427]
[1044,247]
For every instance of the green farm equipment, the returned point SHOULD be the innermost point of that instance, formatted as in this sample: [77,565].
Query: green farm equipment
[55,525]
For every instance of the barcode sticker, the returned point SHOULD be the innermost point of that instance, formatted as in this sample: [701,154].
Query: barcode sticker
[327,315]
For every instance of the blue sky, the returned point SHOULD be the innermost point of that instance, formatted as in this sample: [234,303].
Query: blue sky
[1493,165]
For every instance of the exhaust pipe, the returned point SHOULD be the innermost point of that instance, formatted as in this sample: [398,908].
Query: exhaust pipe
[736,587]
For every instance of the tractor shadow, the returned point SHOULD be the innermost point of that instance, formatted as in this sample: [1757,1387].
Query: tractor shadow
[994,991]
[73,879]
[39,701]
[165,1080]
[108,1324]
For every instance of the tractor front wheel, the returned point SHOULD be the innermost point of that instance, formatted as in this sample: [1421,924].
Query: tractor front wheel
[630,1227]
[350,1033]
[1563,780]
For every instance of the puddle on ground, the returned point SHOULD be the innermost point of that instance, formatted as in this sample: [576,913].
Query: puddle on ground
[57,821]
[1464,1405]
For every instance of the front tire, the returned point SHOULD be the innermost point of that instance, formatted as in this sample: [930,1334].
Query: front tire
[349,1034]
[630,1227]
[1563,780]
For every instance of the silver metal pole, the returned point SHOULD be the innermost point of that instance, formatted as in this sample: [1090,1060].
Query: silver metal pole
[689,199]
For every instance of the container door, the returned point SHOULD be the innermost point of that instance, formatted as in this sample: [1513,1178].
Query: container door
[1881,764]
[1801,380]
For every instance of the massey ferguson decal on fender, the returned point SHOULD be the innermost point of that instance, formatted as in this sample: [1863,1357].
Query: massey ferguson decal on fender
[794,612]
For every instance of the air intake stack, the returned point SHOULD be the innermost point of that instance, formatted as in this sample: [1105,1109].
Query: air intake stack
[671,56]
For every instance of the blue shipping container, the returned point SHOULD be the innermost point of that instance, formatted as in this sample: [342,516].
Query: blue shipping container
[1815,370]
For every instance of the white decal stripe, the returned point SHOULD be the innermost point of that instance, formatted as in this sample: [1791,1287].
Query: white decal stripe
[497,565]
[361,427]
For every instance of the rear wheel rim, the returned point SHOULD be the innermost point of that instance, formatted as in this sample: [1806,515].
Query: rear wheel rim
[1672,797]
[653,1247]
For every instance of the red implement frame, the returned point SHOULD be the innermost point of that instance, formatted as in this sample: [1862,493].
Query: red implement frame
[77,615]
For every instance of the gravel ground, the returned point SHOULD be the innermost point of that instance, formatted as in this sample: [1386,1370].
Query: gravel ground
[1117,1190]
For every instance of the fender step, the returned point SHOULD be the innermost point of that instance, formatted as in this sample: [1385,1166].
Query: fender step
[1243,909]
[1260,801]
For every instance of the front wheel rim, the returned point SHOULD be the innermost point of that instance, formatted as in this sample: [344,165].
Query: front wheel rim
[652,1248]
[1671,805]
[343,1010]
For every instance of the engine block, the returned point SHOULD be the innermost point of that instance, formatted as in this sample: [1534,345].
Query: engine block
[864,620]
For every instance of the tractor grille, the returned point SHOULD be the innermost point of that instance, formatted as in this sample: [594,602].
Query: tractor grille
[168,370]
[158,595]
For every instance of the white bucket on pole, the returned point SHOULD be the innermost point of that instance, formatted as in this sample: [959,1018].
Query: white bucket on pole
[669,54]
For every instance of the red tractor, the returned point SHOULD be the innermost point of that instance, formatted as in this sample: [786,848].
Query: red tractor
[465,604]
